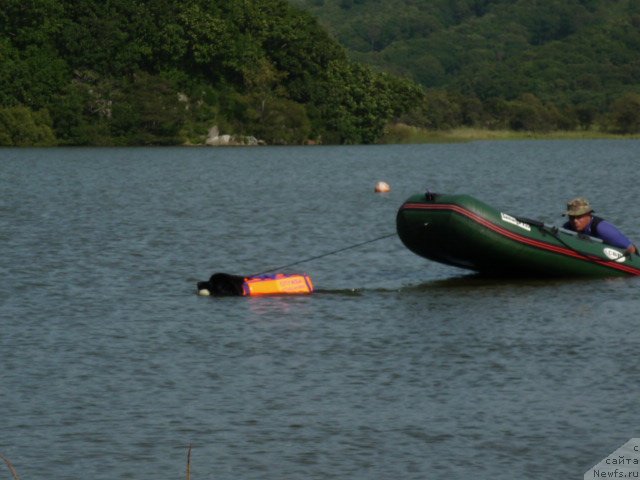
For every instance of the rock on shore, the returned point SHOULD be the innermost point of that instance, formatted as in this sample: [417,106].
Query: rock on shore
[214,139]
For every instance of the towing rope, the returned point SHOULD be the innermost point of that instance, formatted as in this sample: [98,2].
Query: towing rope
[325,254]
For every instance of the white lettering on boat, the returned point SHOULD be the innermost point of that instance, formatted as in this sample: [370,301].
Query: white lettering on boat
[515,221]
[614,255]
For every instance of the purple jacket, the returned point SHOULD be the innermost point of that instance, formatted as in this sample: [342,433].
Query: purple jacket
[605,231]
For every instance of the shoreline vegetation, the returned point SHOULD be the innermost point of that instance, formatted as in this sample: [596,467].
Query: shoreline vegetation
[404,134]
[165,73]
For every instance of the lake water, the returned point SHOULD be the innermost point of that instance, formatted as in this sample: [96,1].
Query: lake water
[397,368]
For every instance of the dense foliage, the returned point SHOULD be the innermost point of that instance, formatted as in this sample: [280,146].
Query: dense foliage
[519,64]
[125,72]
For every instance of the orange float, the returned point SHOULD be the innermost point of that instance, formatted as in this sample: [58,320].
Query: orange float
[224,284]
[382,187]
[277,284]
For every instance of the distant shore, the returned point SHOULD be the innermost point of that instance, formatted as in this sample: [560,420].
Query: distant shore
[404,134]
[407,134]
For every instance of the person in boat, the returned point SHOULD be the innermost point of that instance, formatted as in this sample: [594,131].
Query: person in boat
[582,220]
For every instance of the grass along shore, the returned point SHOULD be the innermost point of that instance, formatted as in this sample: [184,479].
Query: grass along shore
[400,133]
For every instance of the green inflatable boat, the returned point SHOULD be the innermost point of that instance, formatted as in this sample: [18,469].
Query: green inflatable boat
[464,232]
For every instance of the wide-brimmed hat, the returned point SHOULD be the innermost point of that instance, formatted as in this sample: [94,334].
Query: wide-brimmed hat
[578,206]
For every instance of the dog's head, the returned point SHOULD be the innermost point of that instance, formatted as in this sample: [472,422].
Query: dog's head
[222,284]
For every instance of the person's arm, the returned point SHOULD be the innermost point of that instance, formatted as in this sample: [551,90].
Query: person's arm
[611,235]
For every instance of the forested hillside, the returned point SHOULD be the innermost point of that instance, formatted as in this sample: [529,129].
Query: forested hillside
[521,64]
[124,72]
[161,72]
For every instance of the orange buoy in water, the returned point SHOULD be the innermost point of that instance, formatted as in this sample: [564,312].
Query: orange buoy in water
[382,187]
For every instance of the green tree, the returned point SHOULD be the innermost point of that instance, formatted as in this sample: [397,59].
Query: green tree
[355,105]
[147,111]
[82,110]
[624,114]
[277,121]
[208,35]
[35,76]
[530,114]
[34,23]
[585,116]
[441,111]
[21,127]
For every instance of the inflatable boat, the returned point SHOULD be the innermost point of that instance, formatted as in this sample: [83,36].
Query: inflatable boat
[464,232]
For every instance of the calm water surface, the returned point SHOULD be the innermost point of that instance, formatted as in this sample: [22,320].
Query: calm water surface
[398,368]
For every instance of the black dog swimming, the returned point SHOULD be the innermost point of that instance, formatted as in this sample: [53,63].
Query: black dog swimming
[222,285]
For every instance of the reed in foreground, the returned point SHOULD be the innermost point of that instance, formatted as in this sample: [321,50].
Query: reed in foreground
[14,474]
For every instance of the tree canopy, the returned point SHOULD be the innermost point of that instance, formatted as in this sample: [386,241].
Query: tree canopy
[165,71]
[160,72]
[573,58]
